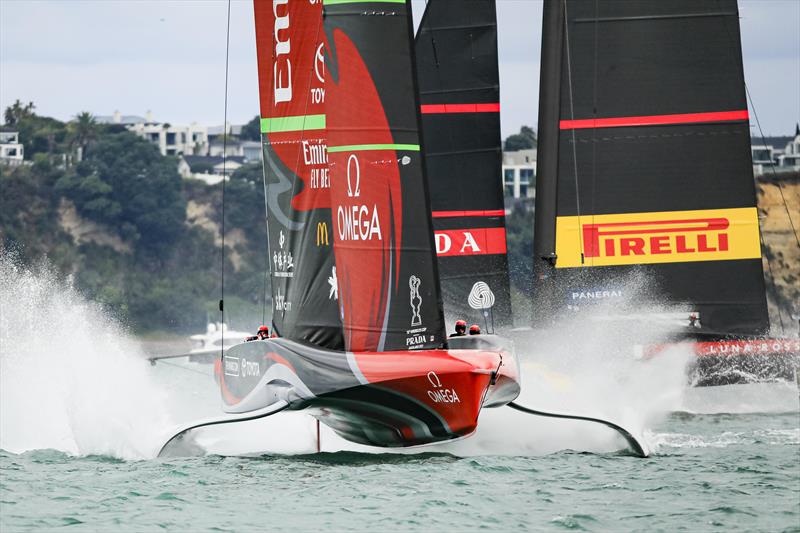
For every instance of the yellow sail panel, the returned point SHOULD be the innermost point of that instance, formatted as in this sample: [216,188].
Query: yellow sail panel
[657,237]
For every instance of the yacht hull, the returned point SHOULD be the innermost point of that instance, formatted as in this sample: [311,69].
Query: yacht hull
[387,399]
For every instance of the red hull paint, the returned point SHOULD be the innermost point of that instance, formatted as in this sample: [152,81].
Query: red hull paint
[398,398]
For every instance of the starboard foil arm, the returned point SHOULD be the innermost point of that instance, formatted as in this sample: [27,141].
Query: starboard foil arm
[638,448]
[178,445]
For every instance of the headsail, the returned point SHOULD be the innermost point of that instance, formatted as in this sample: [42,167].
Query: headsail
[644,158]
[291,73]
[456,53]
[383,240]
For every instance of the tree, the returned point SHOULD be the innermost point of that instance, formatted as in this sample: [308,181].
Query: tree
[126,183]
[252,130]
[524,140]
[17,112]
[83,130]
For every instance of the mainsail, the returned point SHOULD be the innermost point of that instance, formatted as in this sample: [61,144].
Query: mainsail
[644,159]
[291,73]
[386,267]
[456,53]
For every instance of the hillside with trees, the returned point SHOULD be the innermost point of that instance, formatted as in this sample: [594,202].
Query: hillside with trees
[106,208]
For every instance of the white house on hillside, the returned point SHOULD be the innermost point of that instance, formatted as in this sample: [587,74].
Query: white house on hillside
[780,153]
[12,152]
[171,140]
[519,173]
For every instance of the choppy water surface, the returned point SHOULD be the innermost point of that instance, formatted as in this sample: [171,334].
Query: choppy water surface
[82,414]
[733,472]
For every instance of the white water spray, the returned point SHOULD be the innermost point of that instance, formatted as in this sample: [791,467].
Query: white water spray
[587,365]
[70,378]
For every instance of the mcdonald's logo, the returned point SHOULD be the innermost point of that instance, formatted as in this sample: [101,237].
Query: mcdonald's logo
[322,234]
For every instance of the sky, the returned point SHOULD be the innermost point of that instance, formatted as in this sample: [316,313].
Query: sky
[168,57]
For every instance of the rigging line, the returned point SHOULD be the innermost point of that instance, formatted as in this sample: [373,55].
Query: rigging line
[224,177]
[733,43]
[772,279]
[574,142]
[772,167]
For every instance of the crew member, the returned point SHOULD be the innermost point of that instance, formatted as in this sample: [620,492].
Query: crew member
[474,329]
[461,328]
[262,334]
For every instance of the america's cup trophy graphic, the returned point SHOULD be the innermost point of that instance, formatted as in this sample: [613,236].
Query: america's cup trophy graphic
[416,300]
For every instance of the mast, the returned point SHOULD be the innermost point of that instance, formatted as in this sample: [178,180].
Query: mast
[456,58]
[544,241]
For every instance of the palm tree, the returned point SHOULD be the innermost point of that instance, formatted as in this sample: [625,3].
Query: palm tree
[16,112]
[83,131]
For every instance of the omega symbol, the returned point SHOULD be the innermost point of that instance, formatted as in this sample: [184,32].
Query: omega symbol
[350,192]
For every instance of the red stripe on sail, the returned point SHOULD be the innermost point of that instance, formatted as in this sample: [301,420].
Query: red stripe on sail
[478,213]
[431,109]
[477,241]
[654,120]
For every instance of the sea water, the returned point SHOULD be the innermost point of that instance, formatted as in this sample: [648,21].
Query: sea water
[82,414]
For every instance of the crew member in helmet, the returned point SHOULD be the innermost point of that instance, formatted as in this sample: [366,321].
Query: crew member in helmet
[474,329]
[262,334]
[461,328]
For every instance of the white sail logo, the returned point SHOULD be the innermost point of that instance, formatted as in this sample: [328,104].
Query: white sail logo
[481,296]
[319,64]
[282,81]
[282,260]
[357,222]
[351,191]
[334,292]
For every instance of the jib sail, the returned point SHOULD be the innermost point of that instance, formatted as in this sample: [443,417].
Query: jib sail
[291,73]
[383,239]
[456,53]
[644,159]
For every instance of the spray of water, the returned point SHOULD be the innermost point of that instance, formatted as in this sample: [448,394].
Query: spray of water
[587,365]
[70,378]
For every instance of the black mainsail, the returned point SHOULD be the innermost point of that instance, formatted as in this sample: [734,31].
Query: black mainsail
[386,268]
[291,75]
[644,159]
[456,54]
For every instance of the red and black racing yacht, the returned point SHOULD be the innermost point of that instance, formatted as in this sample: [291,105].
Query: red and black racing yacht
[355,284]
